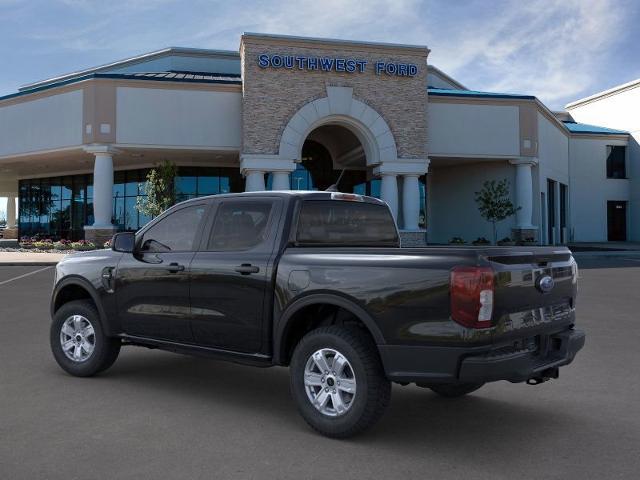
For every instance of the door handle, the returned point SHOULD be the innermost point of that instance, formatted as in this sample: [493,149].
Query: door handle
[175,268]
[247,268]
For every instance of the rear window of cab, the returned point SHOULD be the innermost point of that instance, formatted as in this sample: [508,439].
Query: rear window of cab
[345,223]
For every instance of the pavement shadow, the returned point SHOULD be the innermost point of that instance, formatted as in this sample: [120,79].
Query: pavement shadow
[416,420]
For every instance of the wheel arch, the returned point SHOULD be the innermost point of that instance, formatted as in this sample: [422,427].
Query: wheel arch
[288,318]
[77,288]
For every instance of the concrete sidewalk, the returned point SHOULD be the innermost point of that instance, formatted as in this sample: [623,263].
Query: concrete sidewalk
[30,258]
[608,253]
[604,246]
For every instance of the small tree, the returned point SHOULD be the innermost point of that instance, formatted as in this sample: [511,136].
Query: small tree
[159,190]
[494,203]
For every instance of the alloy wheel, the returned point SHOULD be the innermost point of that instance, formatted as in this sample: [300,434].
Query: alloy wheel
[77,338]
[330,382]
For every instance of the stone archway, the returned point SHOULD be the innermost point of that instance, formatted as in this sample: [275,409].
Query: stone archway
[340,108]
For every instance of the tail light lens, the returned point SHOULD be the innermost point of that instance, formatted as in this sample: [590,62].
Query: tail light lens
[472,296]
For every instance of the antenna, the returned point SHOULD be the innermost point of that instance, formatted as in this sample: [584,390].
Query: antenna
[334,187]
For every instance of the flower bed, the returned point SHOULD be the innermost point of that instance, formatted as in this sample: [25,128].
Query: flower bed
[35,244]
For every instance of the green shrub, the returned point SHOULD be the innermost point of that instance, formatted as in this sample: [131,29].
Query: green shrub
[481,241]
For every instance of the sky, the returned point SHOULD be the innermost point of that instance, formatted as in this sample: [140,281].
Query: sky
[558,50]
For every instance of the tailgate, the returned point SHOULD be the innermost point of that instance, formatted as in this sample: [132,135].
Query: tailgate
[535,291]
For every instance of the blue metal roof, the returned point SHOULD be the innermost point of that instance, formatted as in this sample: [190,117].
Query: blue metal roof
[188,77]
[575,127]
[445,92]
[175,75]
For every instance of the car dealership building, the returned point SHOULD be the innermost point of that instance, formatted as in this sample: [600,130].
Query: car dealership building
[294,113]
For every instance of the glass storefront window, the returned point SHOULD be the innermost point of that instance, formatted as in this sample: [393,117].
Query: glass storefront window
[225,185]
[118,213]
[60,207]
[186,185]
[208,185]
[118,184]
[301,178]
[67,188]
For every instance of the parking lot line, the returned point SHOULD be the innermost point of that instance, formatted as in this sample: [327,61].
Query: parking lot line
[25,275]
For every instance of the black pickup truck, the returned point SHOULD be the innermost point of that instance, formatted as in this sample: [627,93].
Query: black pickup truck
[317,281]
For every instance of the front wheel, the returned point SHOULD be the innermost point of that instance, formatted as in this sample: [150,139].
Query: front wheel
[337,381]
[78,341]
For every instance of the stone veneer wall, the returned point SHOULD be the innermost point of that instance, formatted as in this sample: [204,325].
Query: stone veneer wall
[413,239]
[271,96]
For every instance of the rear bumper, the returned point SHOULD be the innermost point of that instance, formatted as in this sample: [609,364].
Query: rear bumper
[480,364]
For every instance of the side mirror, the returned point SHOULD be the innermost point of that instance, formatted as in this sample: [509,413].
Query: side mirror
[124,242]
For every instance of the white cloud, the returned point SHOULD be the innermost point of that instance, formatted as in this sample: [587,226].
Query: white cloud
[551,49]
[555,50]
[348,19]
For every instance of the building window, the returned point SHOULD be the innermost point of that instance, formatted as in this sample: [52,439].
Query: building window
[564,202]
[60,207]
[616,161]
[551,212]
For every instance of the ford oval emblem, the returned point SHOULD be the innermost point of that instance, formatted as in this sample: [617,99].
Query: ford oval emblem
[545,283]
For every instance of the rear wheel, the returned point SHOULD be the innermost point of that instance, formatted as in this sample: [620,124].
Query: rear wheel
[452,390]
[338,382]
[78,341]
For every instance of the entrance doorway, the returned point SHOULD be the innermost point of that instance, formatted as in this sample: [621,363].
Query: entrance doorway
[551,212]
[617,221]
[332,154]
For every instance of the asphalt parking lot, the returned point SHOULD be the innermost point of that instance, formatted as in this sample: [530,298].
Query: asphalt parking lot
[157,415]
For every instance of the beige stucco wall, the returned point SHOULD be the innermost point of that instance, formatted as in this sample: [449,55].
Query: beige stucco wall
[272,96]
[50,122]
[619,110]
[178,117]
[451,201]
[462,129]
[590,189]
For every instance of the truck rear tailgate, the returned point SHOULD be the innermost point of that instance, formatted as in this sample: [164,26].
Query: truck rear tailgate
[535,291]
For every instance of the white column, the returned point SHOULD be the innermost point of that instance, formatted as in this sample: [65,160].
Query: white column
[280,181]
[102,186]
[524,192]
[103,190]
[389,192]
[254,181]
[410,202]
[254,166]
[11,212]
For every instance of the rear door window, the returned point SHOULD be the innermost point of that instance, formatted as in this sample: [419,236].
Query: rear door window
[240,225]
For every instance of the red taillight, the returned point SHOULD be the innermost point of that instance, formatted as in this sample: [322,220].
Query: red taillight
[472,296]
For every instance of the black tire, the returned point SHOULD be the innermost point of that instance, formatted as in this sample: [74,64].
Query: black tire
[373,391]
[105,351]
[453,390]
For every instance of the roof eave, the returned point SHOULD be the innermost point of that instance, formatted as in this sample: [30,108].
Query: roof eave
[115,76]
[603,94]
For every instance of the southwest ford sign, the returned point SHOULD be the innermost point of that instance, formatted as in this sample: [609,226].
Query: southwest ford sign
[334,64]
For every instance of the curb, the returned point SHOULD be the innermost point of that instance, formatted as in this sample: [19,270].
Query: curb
[28,264]
[616,253]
